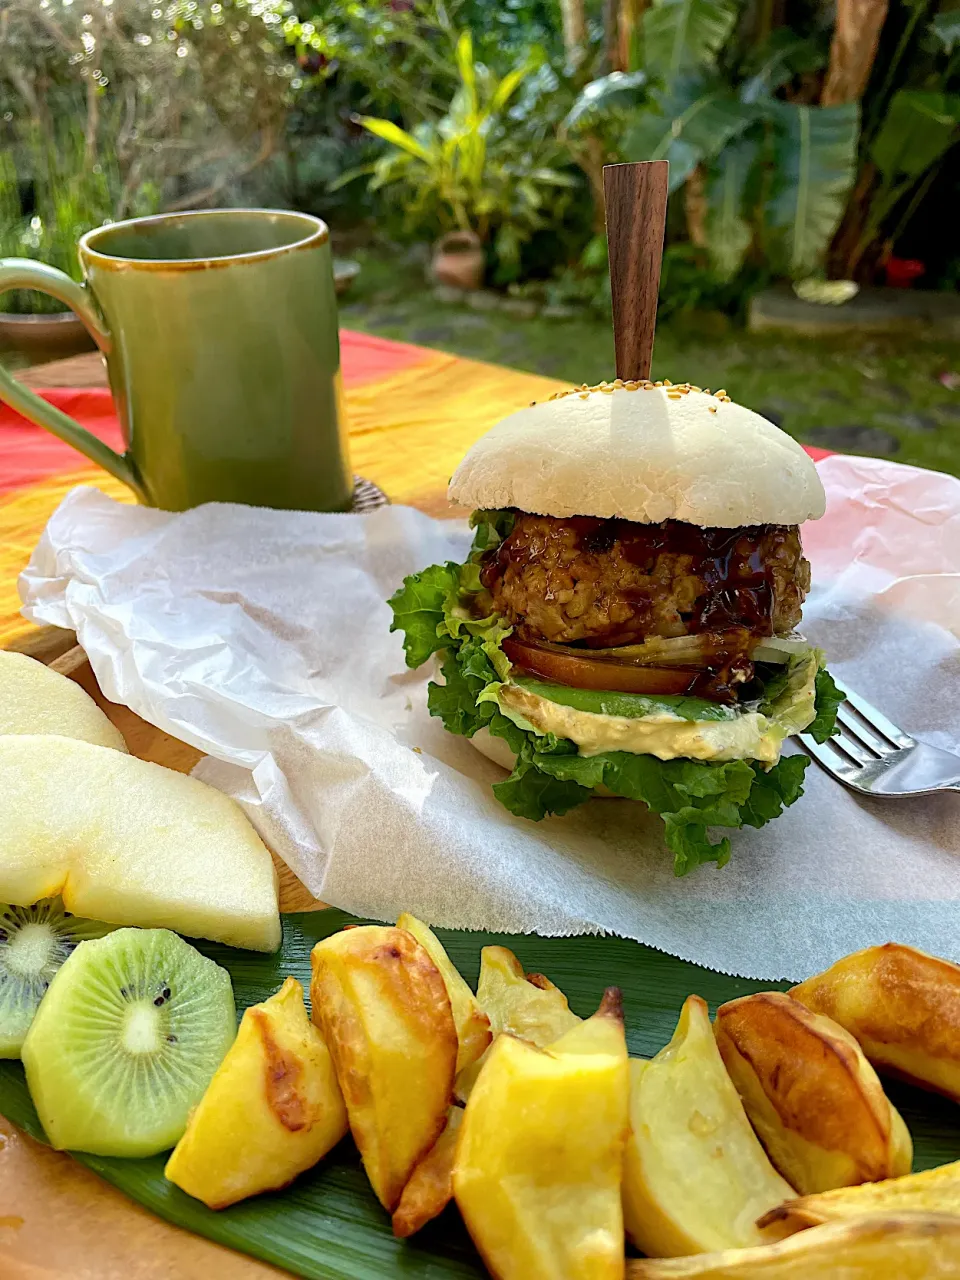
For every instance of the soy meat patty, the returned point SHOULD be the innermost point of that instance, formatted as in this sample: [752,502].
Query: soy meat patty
[614,582]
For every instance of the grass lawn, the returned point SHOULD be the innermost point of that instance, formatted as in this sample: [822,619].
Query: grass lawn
[873,395]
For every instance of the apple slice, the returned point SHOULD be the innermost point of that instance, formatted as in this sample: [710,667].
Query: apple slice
[35,699]
[131,843]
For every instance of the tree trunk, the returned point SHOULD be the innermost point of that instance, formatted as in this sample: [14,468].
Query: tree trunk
[611,36]
[574,30]
[852,50]
[630,14]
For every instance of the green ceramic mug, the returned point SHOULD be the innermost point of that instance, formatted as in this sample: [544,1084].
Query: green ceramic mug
[219,330]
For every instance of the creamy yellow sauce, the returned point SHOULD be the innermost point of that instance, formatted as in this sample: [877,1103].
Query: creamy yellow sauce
[668,737]
[751,736]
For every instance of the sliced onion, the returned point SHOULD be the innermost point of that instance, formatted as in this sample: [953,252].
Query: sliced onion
[708,649]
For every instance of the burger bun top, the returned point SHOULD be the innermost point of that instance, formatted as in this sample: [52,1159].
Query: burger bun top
[646,454]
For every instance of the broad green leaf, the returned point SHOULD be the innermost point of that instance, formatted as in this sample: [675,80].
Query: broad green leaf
[815,150]
[619,88]
[917,129]
[728,232]
[680,35]
[778,59]
[946,28]
[691,124]
[392,133]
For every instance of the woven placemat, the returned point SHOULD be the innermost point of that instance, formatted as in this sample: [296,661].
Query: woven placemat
[367,496]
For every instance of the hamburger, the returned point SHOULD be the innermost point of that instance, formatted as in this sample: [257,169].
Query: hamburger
[626,621]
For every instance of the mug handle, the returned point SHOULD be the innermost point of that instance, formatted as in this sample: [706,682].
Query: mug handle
[26,273]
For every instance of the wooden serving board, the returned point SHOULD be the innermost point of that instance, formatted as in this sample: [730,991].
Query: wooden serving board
[59,1221]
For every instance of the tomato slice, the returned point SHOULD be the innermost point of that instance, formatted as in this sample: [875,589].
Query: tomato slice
[596,673]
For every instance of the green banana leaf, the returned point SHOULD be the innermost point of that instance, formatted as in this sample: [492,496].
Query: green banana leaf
[917,129]
[945,27]
[328,1225]
[691,123]
[729,234]
[815,152]
[680,35]
[618,89]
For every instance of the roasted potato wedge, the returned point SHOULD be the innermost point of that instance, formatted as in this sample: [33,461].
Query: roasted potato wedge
[473,1025]
[383,1009]
[271,1111]
[430,1188]
[811,1095]
[932,1191]
[525,1005]
[902,1005]
[917,1246]
[695,1177]
[539,1161]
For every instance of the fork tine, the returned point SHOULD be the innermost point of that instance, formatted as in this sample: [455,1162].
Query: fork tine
[852,747]
[876,719]
[858,728]
[826,754]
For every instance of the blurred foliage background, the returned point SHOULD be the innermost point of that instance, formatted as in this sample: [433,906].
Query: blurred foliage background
[807,138]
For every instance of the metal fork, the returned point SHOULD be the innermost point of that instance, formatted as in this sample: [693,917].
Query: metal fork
[871,755]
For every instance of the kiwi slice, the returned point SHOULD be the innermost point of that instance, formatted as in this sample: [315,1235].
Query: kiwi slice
[125,1042]
[34,942]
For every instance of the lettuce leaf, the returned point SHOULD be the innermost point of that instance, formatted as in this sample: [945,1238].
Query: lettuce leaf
[829,697]
[419,607]
[491,528]
[550,776]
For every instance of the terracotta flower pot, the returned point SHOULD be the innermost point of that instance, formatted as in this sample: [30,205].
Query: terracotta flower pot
[458,260]
[45,337]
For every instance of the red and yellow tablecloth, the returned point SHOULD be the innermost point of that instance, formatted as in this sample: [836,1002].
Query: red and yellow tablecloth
[412,414]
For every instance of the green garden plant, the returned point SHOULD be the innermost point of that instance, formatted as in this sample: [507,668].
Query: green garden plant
[69,195]
[759,169]
[472,169]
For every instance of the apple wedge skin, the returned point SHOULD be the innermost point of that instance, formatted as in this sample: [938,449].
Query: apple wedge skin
[902,1005]
[272,1110]
[430,1188]
[528,1006]
[695,1177]
[539,1160]
[131,843]
[473,1025]
[812,1097]
[932,1191]
[918,1246]
[384,1012]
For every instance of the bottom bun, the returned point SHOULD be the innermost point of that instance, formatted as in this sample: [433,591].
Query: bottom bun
[498,750]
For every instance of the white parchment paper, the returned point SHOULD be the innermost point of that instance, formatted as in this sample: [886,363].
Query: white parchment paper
[261,638]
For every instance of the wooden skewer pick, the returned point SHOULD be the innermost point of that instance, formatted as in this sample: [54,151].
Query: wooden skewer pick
[635,196]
